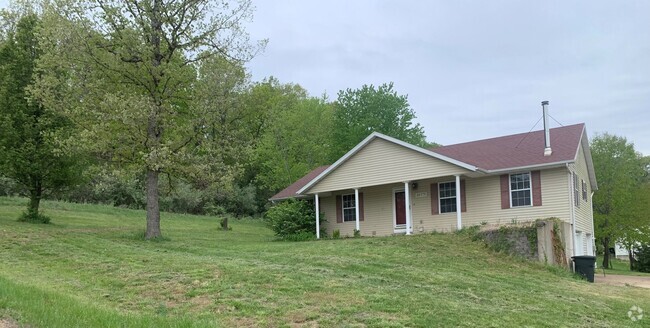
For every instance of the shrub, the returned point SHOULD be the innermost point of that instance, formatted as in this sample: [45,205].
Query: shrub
[642,255]
[336,234]
[293,217]
[241,201]
[33,217]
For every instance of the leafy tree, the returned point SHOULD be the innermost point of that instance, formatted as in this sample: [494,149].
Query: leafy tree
[265,100]
[296,143]
[369,109]
[29,151]
[130,70]
[619,171]
[634,227]
[269,103]
[642,255]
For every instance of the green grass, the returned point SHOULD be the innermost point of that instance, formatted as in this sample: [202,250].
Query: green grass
[618,267]
[91,268]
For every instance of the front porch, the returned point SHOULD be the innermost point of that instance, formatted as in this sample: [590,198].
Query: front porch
[394,208]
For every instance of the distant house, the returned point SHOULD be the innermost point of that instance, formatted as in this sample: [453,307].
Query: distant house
[385,186]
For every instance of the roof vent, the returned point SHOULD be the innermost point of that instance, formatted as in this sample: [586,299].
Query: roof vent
[547,135]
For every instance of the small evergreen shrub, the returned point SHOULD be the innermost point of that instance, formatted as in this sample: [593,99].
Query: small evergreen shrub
[293,217]
[357,233]
[642,255]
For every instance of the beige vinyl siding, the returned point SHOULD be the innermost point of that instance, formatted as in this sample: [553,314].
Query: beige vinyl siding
[382,162]
[583,214]
[483,205]
[378,212]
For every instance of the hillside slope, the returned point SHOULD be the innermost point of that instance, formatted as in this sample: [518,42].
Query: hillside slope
[92,268]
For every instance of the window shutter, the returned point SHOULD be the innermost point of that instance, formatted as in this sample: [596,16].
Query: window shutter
[360,206]
[434,199]
[535,176]
[505,191]
[339,209]
[463,198]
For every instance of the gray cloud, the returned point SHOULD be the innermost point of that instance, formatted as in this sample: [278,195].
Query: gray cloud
[472,69]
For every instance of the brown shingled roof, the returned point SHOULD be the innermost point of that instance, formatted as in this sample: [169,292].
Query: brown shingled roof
[501,153]
[518,150]
[291,190]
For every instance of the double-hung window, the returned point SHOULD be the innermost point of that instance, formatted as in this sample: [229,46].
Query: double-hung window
[520,191]
[349,208]
[584,191]
[447,194]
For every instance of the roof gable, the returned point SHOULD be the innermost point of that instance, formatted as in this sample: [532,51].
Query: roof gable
[388,139]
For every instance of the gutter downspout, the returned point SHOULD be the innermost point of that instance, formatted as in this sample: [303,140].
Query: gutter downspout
[573,210]
[593,229]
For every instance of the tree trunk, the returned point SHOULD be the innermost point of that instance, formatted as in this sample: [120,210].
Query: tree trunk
[153,209]
[154,130]
[35,196]
[630,254]
[606,253]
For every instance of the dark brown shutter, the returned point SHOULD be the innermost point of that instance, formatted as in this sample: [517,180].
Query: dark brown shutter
[463,198]
[505,191]
[535,176]
[360,206]
[339,209]
[434,199]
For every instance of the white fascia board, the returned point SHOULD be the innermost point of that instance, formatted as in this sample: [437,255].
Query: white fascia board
[529,167]
[283,198]
[367,140]
[429,153]
[584,143]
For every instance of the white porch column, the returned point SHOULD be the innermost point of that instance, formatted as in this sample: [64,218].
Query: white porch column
[356,209]
[407,200]
[459,218]
[317,216]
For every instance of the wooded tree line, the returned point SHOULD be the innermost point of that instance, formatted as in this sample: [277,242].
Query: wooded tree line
[148,104]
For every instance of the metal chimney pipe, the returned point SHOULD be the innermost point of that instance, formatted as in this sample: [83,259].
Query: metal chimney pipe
[547,135]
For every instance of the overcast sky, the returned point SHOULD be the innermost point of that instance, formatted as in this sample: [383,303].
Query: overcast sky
[471,69]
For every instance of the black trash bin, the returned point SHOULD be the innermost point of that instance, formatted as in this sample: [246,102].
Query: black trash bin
[585,266]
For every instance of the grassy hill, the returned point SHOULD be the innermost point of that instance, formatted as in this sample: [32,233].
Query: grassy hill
[92,268]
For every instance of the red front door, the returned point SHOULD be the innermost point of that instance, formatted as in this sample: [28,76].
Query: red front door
[400,208]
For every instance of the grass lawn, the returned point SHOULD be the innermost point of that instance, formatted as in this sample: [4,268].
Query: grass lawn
[91,268]
[618,267]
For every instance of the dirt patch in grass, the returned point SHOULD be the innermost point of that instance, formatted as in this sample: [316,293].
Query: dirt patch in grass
[9,323]
[620,280]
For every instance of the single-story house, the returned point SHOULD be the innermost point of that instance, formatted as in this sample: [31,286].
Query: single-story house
[385,186]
